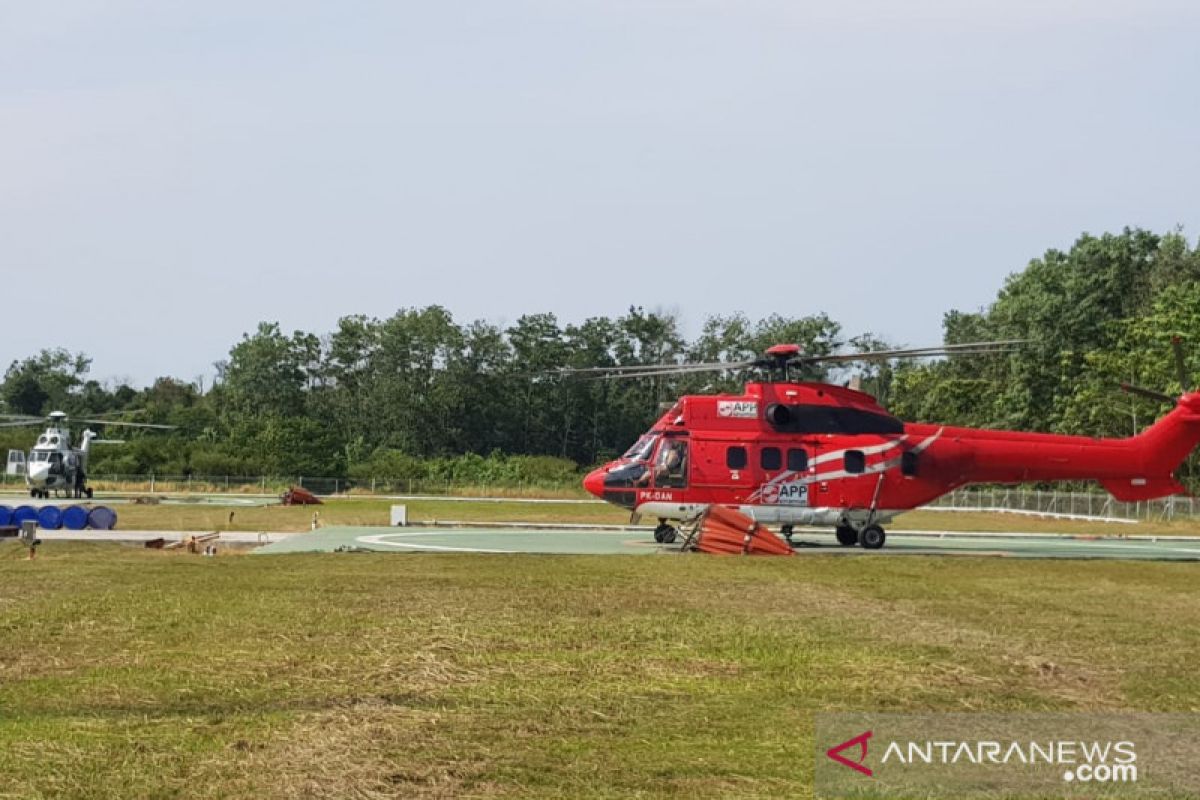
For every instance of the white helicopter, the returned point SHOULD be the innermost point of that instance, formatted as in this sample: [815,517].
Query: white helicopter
[53,464]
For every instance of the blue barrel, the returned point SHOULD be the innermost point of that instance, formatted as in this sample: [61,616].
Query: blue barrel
[75,518]
[5,515]
[102,518]
[49,518]
[22,513]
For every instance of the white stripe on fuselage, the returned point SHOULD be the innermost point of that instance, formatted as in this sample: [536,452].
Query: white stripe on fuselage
[882,466]
[866,451]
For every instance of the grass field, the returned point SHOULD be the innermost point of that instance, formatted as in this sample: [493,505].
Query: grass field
[133,673]
[376,512]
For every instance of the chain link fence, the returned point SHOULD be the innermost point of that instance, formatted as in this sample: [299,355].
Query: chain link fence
[274,485]
[1066,504]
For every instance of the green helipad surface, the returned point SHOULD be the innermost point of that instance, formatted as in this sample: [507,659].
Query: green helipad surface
[588,541]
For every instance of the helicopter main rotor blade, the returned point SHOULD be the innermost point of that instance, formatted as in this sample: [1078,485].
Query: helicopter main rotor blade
[656,370]
[965,349]
[22,424]
[127,424]
[681,369]
[633,368]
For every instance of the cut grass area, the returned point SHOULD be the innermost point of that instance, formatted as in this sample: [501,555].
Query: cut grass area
[172,517]
[132,673]
[359,511]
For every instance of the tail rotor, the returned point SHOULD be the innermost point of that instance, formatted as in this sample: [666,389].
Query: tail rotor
[1180,367]
[1180,372]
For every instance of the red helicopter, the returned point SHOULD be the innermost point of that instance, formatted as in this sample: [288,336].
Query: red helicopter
[803,453]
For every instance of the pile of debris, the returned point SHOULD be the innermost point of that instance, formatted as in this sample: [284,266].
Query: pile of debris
[296,496]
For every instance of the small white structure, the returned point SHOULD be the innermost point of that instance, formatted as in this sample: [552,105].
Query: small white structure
[399,515]
[16,462]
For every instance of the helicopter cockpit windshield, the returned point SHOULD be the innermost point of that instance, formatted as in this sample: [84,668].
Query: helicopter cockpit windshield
[633,468]
[641,449]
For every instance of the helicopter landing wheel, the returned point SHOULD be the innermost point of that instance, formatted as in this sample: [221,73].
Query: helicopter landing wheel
[847,536]
[786,530]
[872,537]
[664,533]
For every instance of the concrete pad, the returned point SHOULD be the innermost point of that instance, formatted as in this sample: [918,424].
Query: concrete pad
[598,541]
[467,540]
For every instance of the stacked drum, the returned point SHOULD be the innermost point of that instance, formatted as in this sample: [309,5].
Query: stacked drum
[52,518]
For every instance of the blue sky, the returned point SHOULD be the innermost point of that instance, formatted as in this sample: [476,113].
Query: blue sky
[173,172]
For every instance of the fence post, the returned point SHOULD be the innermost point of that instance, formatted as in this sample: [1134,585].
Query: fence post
[151,483]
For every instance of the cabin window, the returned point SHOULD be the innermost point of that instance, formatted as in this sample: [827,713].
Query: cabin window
[908,463]
[798,460]
[735,457]
[632,475]
[855,461]
[770,458]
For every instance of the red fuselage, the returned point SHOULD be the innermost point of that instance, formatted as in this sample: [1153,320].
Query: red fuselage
[812,453]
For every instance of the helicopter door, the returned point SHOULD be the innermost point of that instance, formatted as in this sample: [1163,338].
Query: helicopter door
[738,471]
[770,474]
[671,464]
[797,488]
[16,462]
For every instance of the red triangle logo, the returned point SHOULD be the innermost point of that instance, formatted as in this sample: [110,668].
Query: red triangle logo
[860,741]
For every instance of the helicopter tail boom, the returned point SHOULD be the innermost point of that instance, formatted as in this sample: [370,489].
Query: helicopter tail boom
[1136,468]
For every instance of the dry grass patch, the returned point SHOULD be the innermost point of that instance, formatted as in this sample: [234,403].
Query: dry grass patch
[126,673]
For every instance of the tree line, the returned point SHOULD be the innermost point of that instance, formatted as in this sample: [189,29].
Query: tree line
[420,394]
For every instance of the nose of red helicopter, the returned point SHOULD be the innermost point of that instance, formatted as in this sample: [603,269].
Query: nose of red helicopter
[594,482]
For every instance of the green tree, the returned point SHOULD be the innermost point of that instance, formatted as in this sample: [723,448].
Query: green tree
[45,382]
[267,372]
